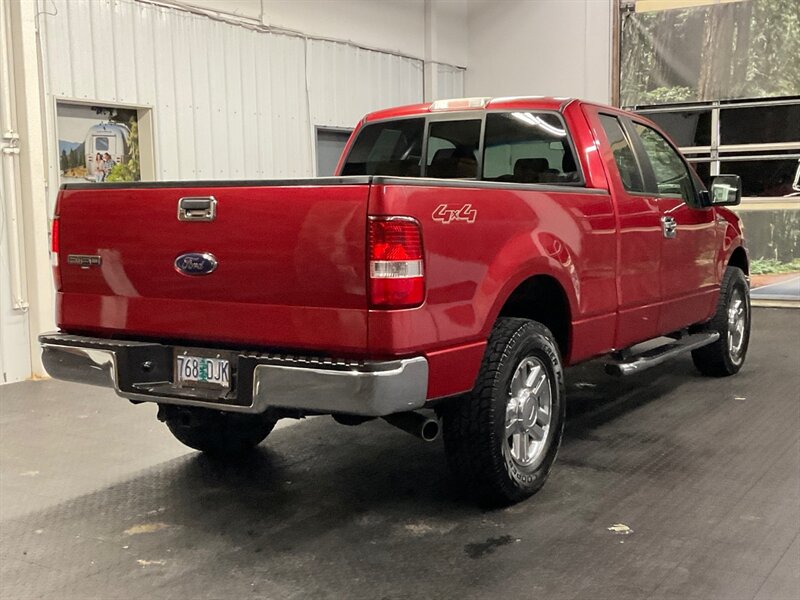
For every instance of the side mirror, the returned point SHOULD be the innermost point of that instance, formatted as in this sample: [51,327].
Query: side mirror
[726,190]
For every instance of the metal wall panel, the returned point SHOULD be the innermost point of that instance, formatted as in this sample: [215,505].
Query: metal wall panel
[228,101]
[345,83]
[449,82]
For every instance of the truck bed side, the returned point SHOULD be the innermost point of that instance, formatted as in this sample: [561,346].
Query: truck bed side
[518,232]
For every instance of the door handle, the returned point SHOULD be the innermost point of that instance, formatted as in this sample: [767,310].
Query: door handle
[669,227]
[197,208]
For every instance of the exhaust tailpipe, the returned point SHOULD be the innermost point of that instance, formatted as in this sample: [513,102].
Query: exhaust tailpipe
[424,427]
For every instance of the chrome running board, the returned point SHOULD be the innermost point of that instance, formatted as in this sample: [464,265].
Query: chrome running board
[655,356]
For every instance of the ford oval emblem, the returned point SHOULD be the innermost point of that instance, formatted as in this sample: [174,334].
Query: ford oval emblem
[196,263]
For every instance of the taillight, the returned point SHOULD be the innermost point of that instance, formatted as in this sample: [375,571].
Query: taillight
[55,243]
[396,265]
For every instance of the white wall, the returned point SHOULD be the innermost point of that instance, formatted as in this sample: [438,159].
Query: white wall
[395,25]
[14,355]
[540,47]
[392,25]
[25,291]
[450,19]
[387,24]
[15,360]
[434,31]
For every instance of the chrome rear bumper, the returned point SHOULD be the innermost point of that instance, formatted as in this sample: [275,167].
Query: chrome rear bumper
[143,372]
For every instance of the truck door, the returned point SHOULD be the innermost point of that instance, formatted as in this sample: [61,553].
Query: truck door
[639,243]
[688,236]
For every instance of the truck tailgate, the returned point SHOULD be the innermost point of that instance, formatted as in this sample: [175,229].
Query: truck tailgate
[290,264]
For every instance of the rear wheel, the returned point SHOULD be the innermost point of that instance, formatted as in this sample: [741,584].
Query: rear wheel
[502,438]
[732,321]
[214,432]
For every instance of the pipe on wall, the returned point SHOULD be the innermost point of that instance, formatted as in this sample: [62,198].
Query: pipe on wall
[9,153]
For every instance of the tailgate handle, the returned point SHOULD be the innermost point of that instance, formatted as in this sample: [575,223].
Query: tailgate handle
[197,208]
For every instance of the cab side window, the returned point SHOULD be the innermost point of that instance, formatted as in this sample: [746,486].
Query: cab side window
[627,166]
[672,176]
[528,147]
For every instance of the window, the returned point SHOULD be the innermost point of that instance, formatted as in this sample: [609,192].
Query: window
[390,148]
[101,144]
[453,149]
[758,140]
[770,178]
[330,144]
[527,147]
[623,154]
[672,176]
[688,128]
[760,124]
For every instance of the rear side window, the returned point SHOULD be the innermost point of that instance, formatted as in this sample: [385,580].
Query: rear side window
[452,151]
[393,148]
[623,154]
[528,147]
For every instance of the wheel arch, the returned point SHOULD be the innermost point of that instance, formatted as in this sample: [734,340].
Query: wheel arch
[542,298]
[738,258]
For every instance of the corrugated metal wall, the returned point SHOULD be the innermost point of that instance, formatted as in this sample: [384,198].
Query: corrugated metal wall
[228,101]
[449,82]
[346,82]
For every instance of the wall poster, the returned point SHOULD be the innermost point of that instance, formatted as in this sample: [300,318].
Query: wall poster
[97,143]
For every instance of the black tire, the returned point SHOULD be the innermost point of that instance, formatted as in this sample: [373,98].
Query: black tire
[726,356]
[214,432]
[478,448]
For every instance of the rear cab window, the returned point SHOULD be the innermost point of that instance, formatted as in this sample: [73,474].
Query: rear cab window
[526,147]
[392,148]
[452,151]
[529,147]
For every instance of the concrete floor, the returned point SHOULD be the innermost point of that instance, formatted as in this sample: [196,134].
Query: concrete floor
[98,501]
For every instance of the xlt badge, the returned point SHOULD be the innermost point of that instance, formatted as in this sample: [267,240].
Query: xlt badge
[84,261]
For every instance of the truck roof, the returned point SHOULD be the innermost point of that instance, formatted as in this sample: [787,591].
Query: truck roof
[461,104]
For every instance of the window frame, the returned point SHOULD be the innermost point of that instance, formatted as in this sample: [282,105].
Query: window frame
[621,121]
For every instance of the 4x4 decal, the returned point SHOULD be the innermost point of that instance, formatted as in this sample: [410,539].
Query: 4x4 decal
[446,215]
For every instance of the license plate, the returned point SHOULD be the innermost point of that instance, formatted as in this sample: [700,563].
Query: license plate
[191,370]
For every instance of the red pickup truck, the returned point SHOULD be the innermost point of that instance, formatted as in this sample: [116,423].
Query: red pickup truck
[465,253]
